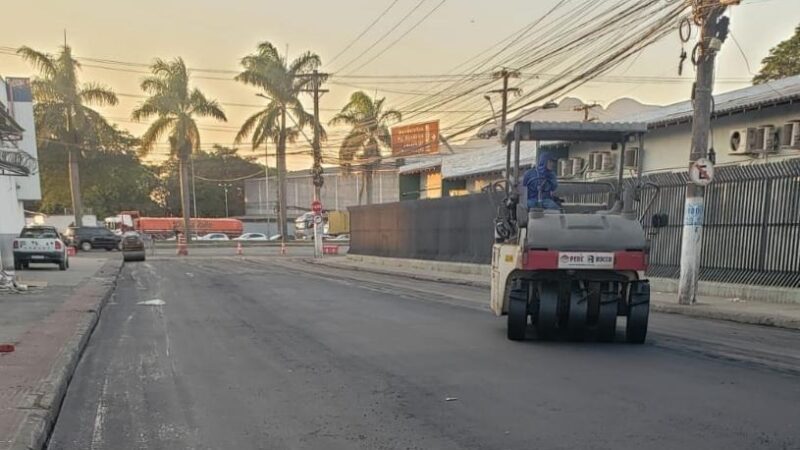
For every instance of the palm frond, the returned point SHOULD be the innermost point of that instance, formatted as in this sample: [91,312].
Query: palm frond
[352,144]
[204,107]
[97,94]
[247,127]
[43,62]
[45,91]
[154,133]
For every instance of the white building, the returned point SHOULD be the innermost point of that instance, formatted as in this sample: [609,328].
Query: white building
[19,176]
[754,125]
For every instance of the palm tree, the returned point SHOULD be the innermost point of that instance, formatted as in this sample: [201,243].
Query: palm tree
[175,107]
[281,83]
[61,113]
[369,133]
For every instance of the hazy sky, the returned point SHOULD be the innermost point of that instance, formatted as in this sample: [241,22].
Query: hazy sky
[214,34]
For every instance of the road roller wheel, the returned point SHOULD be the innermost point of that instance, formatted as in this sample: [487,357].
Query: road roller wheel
[607,316]
[638,312]
[517,311]
[547,315]
[578,312]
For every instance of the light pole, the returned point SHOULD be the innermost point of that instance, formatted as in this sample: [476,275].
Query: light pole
[225,187]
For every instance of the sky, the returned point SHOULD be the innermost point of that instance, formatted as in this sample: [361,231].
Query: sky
[215,35]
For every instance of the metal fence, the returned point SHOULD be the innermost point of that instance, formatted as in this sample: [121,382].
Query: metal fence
[751,233]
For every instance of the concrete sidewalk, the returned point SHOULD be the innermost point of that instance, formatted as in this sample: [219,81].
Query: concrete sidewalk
[721,308]
[49,325]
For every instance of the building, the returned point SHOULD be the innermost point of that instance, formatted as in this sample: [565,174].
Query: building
[753,125]
[481,159]
[19,177]
[341,189]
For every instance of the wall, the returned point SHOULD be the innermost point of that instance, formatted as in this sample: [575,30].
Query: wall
[339,192]
[12,218]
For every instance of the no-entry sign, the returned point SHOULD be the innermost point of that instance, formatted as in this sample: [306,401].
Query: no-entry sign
[316,206]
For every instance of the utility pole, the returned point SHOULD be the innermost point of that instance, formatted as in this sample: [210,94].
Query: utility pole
[266,185]
[713,31]
[504,74]
[316,170]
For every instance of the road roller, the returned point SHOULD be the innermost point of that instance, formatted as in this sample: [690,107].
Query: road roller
[575,272]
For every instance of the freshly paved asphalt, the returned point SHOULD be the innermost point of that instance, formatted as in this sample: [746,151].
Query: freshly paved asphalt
[278,353]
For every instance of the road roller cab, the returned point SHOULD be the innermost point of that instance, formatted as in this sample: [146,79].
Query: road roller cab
[573,271]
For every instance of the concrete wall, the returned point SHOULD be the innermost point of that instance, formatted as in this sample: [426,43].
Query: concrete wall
[12,218]
[339,191]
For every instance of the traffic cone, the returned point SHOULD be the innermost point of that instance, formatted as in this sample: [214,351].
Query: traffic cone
[239,250]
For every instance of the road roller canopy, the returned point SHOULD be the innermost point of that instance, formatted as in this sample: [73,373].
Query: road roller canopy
[578,131]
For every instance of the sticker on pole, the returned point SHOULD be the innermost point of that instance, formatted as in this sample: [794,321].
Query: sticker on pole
[701,172]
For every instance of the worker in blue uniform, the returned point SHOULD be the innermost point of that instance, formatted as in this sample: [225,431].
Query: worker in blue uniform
[542,180]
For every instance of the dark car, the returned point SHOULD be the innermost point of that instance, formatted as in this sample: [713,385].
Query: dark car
[87,238]
[132,247]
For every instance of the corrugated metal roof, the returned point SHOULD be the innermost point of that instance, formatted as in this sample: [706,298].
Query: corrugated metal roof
[420,165]
[787,89]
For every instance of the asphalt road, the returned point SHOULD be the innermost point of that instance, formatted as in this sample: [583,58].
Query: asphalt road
[279,354]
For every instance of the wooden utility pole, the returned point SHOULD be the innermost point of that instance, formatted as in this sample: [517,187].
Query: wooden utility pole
[707,14]
[504,74]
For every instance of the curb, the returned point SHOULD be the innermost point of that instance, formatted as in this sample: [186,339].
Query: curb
[699,311]
[705,312]
[36,429]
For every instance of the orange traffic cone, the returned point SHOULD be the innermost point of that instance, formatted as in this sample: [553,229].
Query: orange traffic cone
[239,250]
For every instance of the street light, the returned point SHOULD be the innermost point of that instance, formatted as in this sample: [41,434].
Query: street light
[225,186]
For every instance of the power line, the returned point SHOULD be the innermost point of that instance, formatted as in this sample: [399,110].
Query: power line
[393,43]
[369,27]
[384,36]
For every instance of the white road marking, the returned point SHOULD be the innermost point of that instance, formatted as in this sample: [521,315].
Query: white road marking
[154,302]
[100,417]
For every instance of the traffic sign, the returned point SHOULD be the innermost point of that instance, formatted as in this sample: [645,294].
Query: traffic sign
[701,172]
[318,219]
[316,206]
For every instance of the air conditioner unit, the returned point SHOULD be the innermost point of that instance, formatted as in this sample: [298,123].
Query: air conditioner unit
[631,159]
[577,165]
[607,162]
[744,141]
[790,135]
[766,139]
[564,167]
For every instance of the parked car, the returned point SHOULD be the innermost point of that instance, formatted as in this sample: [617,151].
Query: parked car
[215,237]
[133,247]
[339,238]
[39,244]
[252,237]
[277,237]
[192,237]
[88,238]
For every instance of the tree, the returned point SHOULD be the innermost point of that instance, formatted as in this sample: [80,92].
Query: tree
[61,114]
[214,171]
[175,107]
[368,134]
[114,179]
[783,61]
[281,83]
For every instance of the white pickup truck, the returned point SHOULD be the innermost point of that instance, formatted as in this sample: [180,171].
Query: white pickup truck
[39,244]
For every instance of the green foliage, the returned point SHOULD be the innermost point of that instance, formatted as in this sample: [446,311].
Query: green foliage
[210,168]
[369,127]
[174,105]
[113,179]
[783,60]
[282,84]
